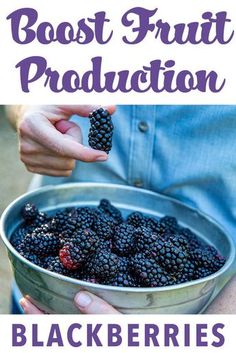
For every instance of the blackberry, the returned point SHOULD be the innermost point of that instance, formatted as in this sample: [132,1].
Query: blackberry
[101,130]
[123,265]
[88,269]
[17,243]
[104,226]
[18,236]
[65,237]
[124,239]
[77,236]
[208,258]
[104,244]
[40,219]
[202,272]
[56,266]
[41,243]
[162,231]
[81,218]
[123,279]
[105,265]
[187,273]
[91,268]
[85,217]
[31,257]
[61,218]
[88,278]
[49,227]
[136,219]
[171,257]
[74,253]
[148,272]
[179,242]
[46,261]
[170,223]
[193,241]
[106,207]
[153,224]
[146,241]
[29,212]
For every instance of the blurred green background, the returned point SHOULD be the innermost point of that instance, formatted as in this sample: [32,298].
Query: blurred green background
[14,180]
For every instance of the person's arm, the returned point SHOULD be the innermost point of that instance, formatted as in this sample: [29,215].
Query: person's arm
[49,144]
[225,302]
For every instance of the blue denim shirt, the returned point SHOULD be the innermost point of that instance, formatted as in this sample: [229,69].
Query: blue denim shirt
[187,152]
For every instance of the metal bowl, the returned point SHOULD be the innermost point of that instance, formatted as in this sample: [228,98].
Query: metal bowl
[54,293]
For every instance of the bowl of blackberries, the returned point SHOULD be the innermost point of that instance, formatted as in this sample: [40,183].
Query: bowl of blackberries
[139,250]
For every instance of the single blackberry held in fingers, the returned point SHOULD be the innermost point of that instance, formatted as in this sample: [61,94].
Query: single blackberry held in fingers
[101,130]
[97,245]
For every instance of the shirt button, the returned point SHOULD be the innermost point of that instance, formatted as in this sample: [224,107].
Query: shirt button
[138,183]
[143,126]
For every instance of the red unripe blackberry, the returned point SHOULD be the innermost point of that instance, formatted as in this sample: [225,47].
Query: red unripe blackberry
[76,251]
[71,256]
[101,130]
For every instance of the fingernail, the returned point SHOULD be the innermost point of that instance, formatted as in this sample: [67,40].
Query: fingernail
[22,303]
[83,299]
[101,158]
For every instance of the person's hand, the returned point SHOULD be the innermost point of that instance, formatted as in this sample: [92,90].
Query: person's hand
[86,302]
[49,144]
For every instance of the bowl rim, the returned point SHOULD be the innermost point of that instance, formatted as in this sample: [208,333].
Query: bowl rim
[81,283]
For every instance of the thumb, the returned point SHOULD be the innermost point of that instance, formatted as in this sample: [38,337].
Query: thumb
[69,128]
[89,303]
